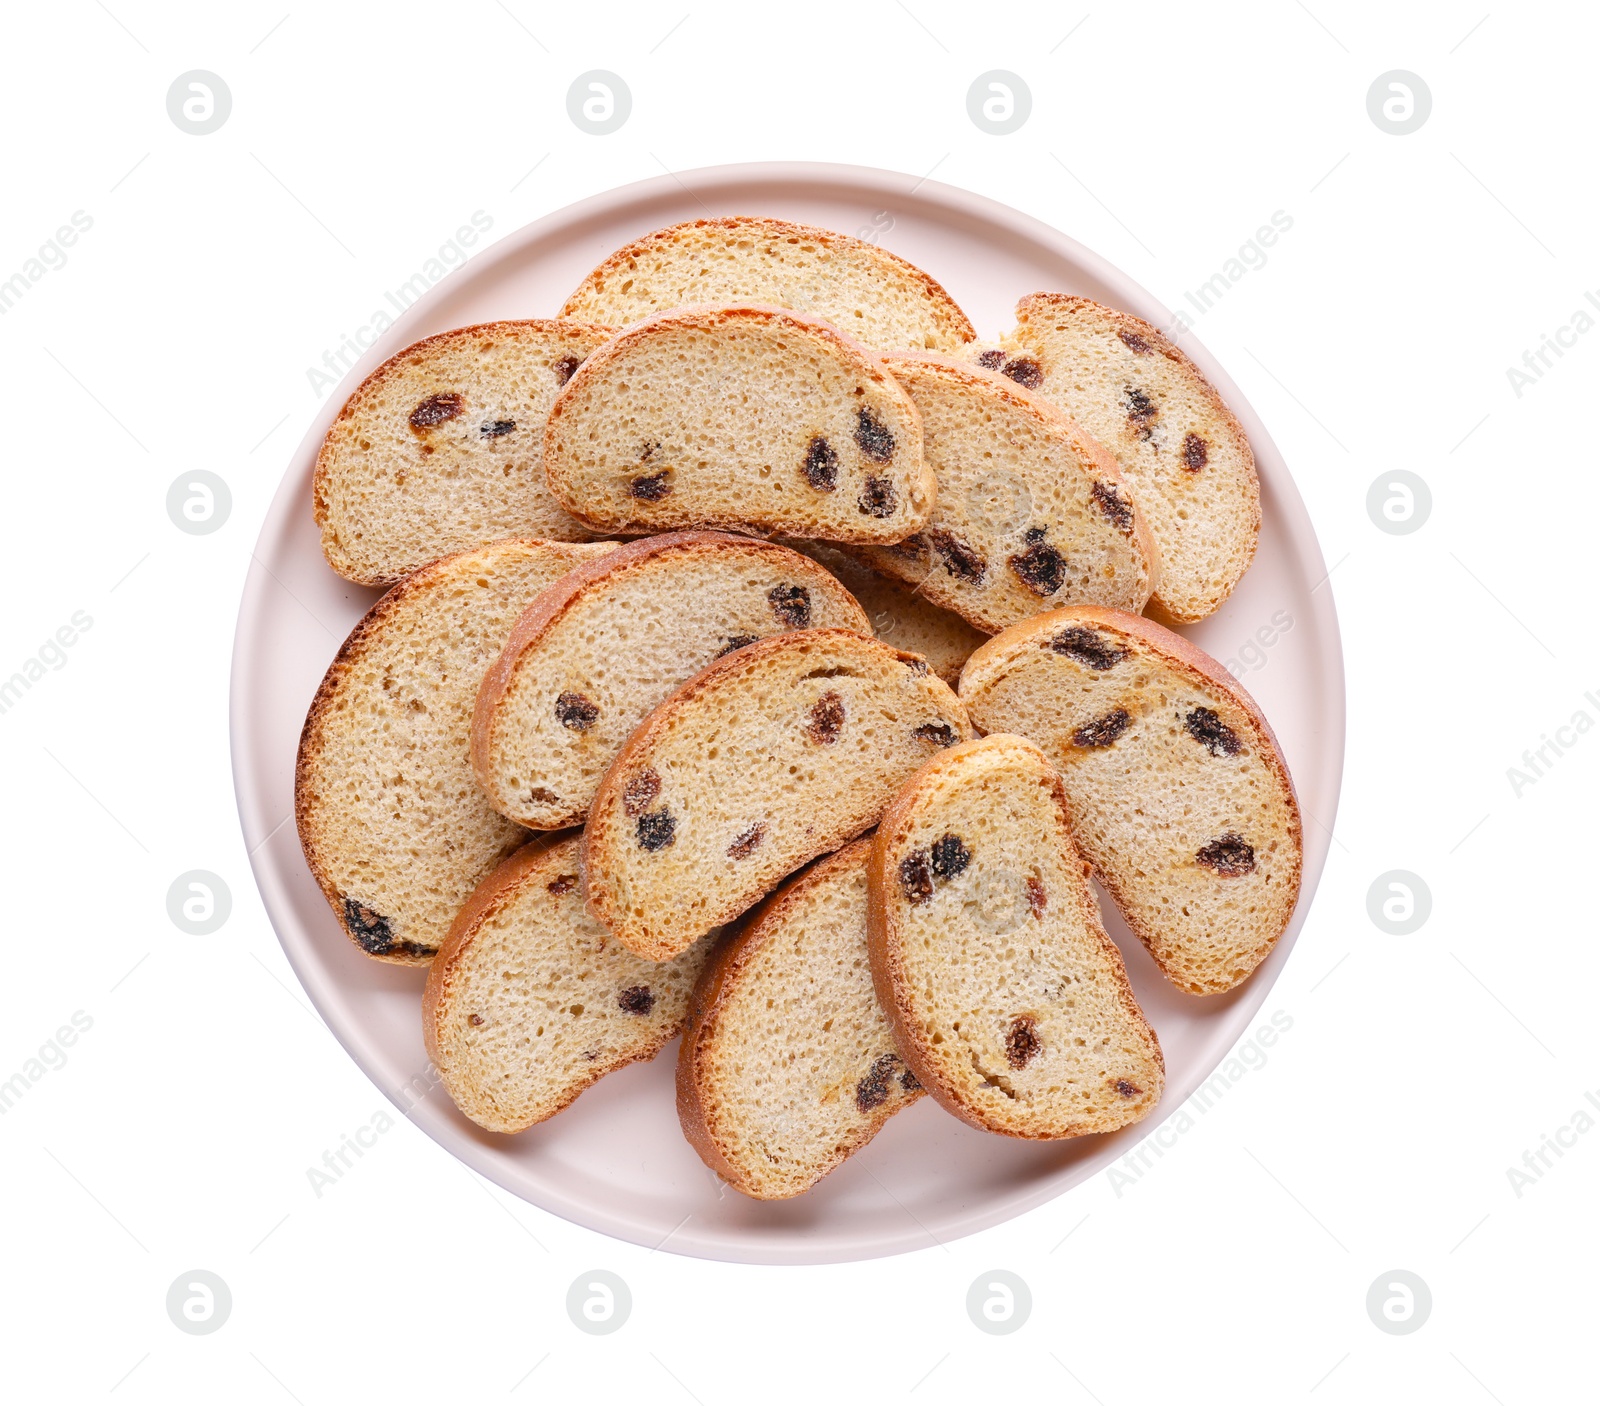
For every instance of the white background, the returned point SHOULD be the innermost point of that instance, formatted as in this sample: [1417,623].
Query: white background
[1418,1069]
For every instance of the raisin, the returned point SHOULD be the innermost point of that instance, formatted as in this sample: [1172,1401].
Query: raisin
[652,488]
[1116,508]
[1042,569]
[942,733]
[873,1090]
[874,437]
[792,605]
[1102,732]
[992,360]
[745,842]
[375,934]
[736,642]
[1036,895]
[960,559]
[577,712]
[1194,452]
[1133,341]
[542,796]
[1081,643]
[913,548]
[827,719]
[877,498]
[493,429]
[822,465]
[916,878]
[1022,1042]
[647,450]
[656,830]
[564,367]
[916,663]
[641,790]
[1025,371]
[565,884]
[1229,857]
[1142,411]
[950,856]
[637,1000]
[1128,1090]
[1212,733]
[436,409]
[909,1081]
[474,1019]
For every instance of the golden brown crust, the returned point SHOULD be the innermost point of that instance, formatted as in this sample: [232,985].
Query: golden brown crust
[644,736]
[552,604]
[888,966]
[708,317]
[943,307]
[336,558]
[986,664]
[1160,343]
[717,979]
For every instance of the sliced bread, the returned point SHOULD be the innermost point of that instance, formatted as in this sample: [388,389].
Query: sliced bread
[788,1064]
[391,819]
[530,1001]
[440,449]
[1184,455]
[875,296]
[900,616]
[1179,795]
[749,417]
[1032,512]
[773,755]
[1008,1001]
[611,639]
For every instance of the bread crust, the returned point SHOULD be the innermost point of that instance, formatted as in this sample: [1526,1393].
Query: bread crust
[1160,343]
[599,902]
[709,318]
[553,603]
[396,365]
[502,886]
[989,660]
[884,934]
[717,981]
[953,322]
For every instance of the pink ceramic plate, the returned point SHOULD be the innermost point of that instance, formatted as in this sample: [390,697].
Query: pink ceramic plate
[616,1161]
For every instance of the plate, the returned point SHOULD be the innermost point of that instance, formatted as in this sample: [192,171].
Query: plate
[616,1161]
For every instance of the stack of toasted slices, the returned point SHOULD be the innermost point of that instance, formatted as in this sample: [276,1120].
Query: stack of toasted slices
[846,727]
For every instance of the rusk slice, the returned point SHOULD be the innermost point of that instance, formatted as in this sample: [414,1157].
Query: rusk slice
[1179,794]
[391,819]
[611,639]
[900,616]
[530,1001]
[1008,1000]
[749,417]
[1032,513]
[440,449]
[875,296]
[773,755]
[788,1063]
[1184,455]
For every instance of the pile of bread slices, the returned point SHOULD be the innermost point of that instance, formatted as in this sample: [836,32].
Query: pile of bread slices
[763,659]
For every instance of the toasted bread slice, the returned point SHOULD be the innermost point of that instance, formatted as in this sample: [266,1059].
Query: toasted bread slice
[773,755]
[1032,513]
[1008,1000]
[530,1001]
[875,296]
[441,449]
[1179,795]
[391,819]
[611,639]
[1184,455]
[748,417]
[788,1064]
[900,616]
